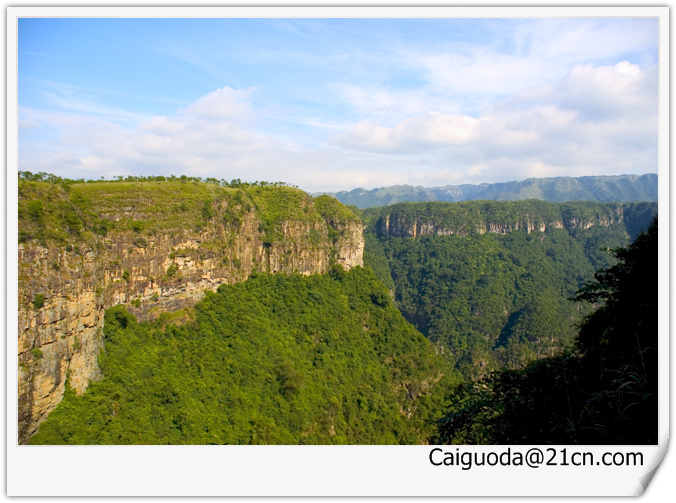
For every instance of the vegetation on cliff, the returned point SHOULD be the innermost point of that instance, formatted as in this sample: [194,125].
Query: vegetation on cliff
[499,299]
[497,288]
[325,359]
[60,211]
[231,226]
[153,244]
[601,391]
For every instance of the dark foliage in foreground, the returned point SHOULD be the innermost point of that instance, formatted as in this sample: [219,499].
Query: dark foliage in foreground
[602,392]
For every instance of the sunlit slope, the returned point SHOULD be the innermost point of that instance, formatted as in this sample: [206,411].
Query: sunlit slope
[325,359]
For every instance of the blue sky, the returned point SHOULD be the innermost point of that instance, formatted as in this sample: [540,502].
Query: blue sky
[332,104]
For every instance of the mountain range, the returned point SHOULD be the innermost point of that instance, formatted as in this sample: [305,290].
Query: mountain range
[620,188]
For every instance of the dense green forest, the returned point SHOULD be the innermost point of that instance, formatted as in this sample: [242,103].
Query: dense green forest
[325,359]
[493,300]
[489,301]
[601,391]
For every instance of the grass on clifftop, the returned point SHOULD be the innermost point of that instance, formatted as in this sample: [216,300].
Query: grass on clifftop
[61,213]
[334,211]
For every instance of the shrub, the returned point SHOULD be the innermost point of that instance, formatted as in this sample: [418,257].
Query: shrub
[35,211]
[38,301]
[207,213]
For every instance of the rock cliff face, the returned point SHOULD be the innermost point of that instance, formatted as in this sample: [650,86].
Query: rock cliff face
[463,219]
[64,288]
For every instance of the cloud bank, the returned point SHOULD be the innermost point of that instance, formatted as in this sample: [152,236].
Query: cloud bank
[599,119]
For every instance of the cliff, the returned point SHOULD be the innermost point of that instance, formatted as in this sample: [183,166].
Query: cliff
[480,217]
[154,247]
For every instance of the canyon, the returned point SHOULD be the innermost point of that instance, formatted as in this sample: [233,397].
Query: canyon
[157,247]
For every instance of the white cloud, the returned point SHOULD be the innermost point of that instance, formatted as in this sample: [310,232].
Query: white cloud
[598,119]
[418,133]
[80,104]
[28,123]
[570,41]
[595,120]
[526,54]
[387,104]
[162,126]
[222,104]
[481,73]
[608,92]
[210,138]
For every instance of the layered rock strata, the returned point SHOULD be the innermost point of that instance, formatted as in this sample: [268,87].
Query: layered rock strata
[399,221]
[64,290]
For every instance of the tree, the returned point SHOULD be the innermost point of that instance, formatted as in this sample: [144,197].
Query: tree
[604,391]
[621,339]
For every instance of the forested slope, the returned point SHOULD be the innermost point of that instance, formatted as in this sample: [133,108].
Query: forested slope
[312,348]
[155,245]
[490,282]
[323,359]
[601,391]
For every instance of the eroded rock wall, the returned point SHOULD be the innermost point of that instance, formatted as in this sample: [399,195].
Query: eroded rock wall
[401,222]
[65,290]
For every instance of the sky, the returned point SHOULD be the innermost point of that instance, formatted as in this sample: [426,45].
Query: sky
[335,104]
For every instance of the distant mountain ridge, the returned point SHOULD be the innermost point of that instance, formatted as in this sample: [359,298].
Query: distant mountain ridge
[619,188]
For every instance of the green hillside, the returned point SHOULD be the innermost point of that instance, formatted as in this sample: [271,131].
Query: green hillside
[603,390]
[273,360]
[76,210]
[154,245]
[493,300]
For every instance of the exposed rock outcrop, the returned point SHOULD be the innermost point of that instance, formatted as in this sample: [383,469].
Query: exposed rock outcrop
[463,219]
[65,289]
